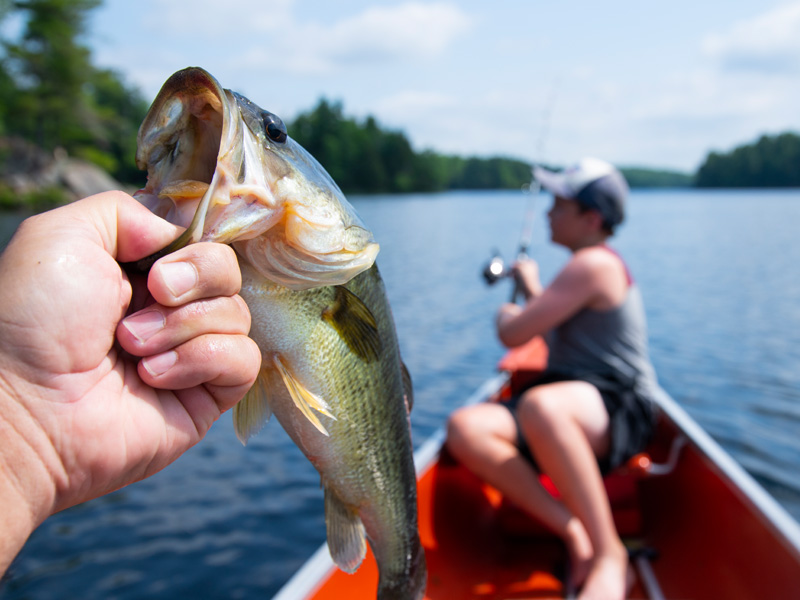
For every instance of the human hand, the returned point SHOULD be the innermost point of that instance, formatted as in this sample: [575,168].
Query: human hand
[90,402]
[526,274]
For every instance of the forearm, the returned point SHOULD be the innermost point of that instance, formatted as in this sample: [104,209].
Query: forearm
[530,289]
[506,323]
[526,276]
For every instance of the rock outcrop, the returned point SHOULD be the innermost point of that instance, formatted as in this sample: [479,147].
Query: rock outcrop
[26,169]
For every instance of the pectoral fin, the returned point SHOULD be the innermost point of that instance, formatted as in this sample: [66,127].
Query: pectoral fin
[250,414]
[346,536]
[303,399]
[355,323]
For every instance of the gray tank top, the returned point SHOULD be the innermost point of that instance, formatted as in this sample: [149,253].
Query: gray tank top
[609,342]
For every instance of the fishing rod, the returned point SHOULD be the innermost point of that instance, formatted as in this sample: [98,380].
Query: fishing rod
[496,269]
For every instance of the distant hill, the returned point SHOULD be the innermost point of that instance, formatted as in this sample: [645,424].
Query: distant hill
[640,177]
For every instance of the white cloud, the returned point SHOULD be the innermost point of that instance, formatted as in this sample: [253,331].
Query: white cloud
[480,122]
[229,22]
[411,29]
[260,32]
[410,102]
[769,43]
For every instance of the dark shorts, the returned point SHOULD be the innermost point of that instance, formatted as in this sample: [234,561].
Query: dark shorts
[632,418]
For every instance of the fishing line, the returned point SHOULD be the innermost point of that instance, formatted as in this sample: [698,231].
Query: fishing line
[533,188]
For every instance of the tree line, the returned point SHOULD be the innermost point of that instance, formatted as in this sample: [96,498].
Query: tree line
[771,161]
[364,158]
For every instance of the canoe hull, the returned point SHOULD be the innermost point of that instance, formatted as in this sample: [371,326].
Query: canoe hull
[701,528]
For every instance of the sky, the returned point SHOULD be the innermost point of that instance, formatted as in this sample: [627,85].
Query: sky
[637,83]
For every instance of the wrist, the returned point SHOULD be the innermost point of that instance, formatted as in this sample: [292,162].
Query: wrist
[27,491]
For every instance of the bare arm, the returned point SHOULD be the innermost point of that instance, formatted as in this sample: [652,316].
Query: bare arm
[591,278]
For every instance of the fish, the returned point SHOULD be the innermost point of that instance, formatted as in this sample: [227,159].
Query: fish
[331,370]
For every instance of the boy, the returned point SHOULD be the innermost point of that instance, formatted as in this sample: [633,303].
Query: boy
[591,409]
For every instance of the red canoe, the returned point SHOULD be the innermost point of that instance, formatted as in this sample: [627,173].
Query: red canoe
[696,524]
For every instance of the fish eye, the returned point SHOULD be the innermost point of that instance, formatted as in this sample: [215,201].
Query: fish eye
[274,127]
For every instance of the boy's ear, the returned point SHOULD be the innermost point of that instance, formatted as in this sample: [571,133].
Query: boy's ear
[596,218]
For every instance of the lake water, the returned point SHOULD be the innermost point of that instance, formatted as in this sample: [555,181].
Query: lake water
[719,272]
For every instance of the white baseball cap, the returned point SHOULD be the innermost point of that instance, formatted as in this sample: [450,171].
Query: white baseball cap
[593,183]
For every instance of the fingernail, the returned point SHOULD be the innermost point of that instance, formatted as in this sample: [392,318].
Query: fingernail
[160,363]
[179,277]
[144,325]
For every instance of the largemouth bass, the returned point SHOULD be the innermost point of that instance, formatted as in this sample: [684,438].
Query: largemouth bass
[331,370]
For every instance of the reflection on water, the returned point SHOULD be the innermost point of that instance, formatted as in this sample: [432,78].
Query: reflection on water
[718,271]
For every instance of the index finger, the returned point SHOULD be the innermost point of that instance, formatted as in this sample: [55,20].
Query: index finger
[202,270]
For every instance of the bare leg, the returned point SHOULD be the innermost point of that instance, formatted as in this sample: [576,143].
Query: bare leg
[566,426]
[483,438]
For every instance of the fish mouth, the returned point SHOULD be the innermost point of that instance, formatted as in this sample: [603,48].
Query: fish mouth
[192,143]
[212,170]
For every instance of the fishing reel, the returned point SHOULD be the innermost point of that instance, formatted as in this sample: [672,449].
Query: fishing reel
[496,269]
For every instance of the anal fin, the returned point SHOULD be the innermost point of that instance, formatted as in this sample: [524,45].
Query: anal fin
[347,541]
[304,399]
[253,411]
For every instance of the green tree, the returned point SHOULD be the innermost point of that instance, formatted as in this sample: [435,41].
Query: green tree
[7,86]
[363,157]
[51,67]
[51,95]
[118,110]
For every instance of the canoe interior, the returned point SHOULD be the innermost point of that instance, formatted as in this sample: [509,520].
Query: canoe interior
[698,534]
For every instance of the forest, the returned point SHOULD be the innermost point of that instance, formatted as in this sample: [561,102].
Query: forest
[53,97]
[771,161]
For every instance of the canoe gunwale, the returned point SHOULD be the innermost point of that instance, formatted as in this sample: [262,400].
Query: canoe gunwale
[426,454]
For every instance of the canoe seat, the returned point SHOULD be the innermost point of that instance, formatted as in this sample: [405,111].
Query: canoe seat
[623,494]
[621,486]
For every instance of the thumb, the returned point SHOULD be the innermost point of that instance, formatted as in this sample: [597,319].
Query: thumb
[128,230]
